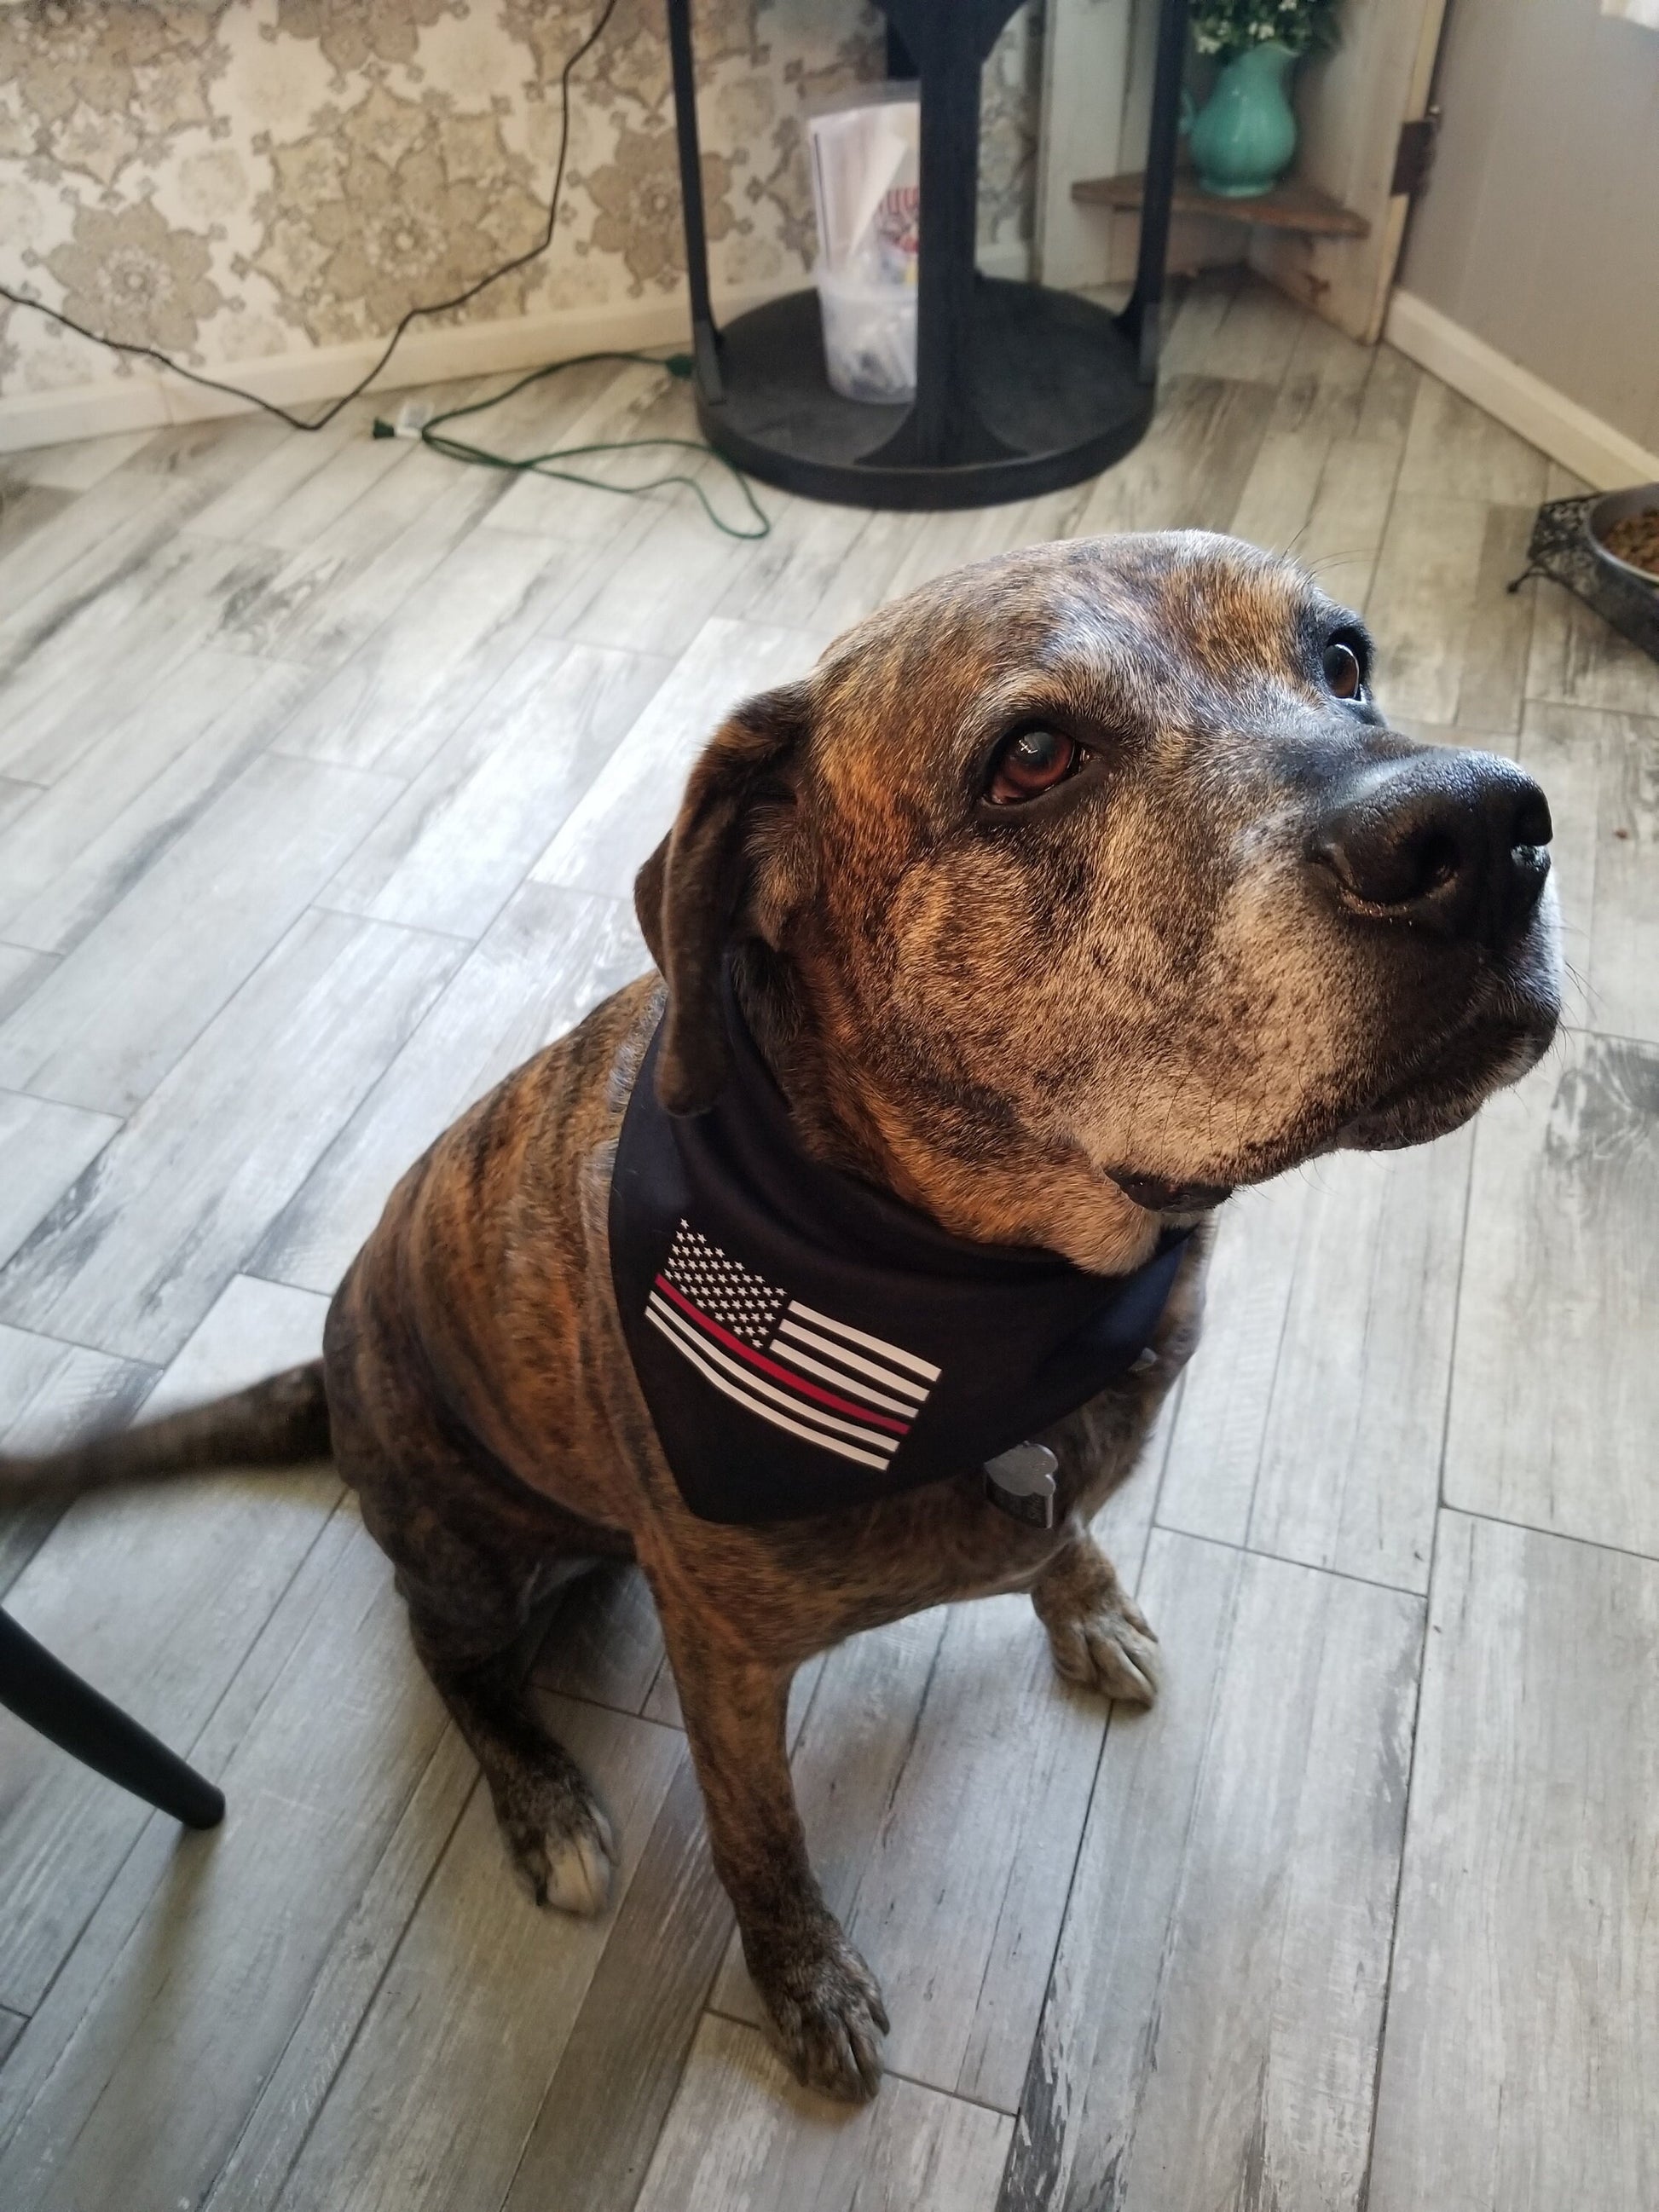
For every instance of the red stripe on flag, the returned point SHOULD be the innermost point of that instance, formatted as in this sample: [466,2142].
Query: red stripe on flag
[780,1374]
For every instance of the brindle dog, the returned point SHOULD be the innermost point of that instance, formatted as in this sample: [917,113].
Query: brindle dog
[1064,896]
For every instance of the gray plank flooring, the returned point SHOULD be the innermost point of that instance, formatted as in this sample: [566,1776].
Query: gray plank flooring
[325,769]
[1524,2018]
[1234,1894]
[1312,1428]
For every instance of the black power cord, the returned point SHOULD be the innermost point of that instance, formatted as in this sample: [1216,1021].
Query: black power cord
[437,308]
[456,449]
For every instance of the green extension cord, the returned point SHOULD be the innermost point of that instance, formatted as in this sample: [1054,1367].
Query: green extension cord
[677,364]
[541,465]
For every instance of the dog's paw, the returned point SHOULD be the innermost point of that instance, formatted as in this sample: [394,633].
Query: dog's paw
[1111,1649]
[826,2006]
[559,1841]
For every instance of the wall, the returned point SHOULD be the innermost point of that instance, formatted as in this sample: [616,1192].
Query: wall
[1538,232]
[255,182]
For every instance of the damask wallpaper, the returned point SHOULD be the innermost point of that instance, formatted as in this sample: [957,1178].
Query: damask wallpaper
[251,178]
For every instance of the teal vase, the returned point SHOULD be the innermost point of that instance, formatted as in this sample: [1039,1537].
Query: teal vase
[1244,136]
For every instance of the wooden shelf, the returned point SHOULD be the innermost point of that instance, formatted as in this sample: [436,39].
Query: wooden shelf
[1290,205]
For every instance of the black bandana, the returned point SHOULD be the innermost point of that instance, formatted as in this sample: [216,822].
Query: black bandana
[806,1343]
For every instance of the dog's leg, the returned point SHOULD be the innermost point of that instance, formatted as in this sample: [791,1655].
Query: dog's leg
[474,1553]
[1098,1635]
[555,1829]
[823,1999]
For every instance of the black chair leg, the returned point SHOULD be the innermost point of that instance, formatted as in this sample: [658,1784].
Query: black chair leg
[42,1692]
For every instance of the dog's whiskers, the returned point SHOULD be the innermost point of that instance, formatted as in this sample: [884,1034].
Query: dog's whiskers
[1337,561]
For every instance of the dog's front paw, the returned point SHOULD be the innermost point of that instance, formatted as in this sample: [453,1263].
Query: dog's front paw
[826,2006]
[1111,1649]
[559,1840]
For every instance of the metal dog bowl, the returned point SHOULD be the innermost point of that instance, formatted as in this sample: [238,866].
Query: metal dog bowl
[1612,507]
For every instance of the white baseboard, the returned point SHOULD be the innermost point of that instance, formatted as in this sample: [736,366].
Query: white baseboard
[1568,433]
[150,398]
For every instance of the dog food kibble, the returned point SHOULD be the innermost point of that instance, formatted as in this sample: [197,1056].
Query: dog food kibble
[1635,538]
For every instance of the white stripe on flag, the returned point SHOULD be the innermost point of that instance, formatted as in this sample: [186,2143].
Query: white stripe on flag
[922,1367]
[872,1437]
[851,1363]
[842,1377]
[757,1406]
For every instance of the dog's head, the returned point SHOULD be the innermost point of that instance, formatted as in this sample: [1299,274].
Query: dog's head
[1087,883]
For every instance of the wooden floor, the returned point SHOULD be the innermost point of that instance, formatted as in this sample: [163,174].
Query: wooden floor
[325,766]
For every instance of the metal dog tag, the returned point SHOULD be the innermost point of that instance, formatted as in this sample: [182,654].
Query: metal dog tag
[1021,1483]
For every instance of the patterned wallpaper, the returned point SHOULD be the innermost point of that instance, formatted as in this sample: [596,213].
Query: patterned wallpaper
[248,177]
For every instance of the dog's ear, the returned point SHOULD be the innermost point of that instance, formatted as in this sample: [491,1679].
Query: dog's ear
[693,892]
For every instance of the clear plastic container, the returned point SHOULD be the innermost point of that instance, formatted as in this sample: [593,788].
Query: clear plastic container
[869,337]
[865,153]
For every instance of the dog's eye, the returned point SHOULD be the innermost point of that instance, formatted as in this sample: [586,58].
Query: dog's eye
[1344,671]
[1030,763]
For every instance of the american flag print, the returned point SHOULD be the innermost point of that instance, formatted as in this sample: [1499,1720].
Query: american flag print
[837,1386]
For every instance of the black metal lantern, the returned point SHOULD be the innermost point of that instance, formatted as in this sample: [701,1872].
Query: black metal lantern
[1020,389]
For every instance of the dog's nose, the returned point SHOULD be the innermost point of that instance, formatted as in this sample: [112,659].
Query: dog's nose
[1450,841]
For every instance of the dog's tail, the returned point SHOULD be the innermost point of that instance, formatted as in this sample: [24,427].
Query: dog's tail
[280,1422]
